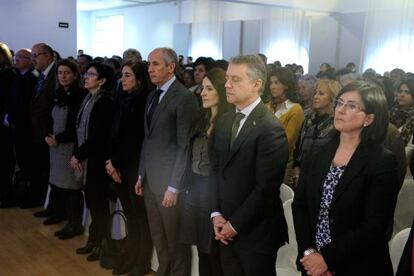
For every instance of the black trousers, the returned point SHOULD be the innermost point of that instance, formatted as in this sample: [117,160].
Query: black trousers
[209,264]
[7,164]
[174,258]
[39,173]
[68,203]
[97,200]
[139,238]
[244,262]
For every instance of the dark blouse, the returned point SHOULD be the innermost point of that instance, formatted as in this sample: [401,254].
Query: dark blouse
[200,155]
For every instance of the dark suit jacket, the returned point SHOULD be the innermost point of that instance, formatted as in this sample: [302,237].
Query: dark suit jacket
[41,108]
[96,147]
[362,207]
[165,147]
[246,179]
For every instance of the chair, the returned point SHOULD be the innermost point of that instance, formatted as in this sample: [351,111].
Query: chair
[286,256]
[404,209]
[286,193]
[397,246]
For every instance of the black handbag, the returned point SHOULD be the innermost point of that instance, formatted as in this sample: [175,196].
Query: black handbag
[113,251]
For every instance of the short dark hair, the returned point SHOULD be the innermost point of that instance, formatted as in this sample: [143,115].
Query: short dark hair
[104,72]
[208,62]
[87,57]
[375,103]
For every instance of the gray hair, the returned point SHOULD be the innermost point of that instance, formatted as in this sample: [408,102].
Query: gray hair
[133,54]
[256,69]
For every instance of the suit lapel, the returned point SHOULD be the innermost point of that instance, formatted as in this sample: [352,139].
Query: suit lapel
[320,169]
[251,122]
[358,162]
[166,99]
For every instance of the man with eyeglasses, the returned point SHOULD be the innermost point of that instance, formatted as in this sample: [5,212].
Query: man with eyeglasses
[18,120]
[40,122]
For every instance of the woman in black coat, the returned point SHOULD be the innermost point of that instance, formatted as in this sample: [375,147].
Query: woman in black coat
[127,136]
[346,193]
[94,124]
[67,192]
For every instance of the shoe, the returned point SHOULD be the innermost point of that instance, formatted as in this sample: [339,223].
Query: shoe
[43,214]
[123,268]
[94,256]
[53,220]
[85,249]
[71,232]
[61,231]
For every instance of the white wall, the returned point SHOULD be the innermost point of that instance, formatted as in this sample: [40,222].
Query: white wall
[145,27]
[336,39]
[24,23]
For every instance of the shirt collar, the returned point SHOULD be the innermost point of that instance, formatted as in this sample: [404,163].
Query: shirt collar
[47,70]
[167,85]
[248,109]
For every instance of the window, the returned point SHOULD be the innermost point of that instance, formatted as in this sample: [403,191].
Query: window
[108,37]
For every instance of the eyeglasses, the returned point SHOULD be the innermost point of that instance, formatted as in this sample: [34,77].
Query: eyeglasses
[21,57]
[90,74]
[38,54]
[350,106]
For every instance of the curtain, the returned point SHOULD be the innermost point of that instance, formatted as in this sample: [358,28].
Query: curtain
[206,29]
[389,36]
[285,36]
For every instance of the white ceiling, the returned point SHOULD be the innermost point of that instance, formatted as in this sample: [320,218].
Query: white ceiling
[343,6]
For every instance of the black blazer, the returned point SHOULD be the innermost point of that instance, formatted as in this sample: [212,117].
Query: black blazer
[247,178]
[362,207]
[41,108]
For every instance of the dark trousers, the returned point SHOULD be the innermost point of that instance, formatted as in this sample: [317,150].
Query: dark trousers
[174,258]
[39,173]
[97,200]
[209,264]
[7,164]
[243,262]
[70,205]
[56,203]
[139,238]
[22,147]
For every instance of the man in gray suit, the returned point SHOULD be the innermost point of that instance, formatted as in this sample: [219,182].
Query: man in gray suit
[169,113]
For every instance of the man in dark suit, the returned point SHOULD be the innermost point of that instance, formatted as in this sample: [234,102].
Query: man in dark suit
[250,153]
[40,123]
[169,113]
[18,120]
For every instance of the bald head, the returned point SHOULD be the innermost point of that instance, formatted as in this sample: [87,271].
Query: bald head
[23,60]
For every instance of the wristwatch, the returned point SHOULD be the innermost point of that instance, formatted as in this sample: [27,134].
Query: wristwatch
[309,251]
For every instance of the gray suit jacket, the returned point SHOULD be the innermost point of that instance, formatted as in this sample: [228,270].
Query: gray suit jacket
[165,147]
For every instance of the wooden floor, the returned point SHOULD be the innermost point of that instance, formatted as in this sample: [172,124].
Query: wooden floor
[28,248]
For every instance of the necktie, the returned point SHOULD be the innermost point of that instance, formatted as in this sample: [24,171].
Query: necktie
[40,82]
[235,127]
[153,106]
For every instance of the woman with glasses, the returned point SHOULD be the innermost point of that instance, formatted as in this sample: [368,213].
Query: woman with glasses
[284,105]
[346,192]
[318,125]
[68,195]
[93,132]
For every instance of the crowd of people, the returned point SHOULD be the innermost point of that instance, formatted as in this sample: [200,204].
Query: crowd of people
[196,154]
